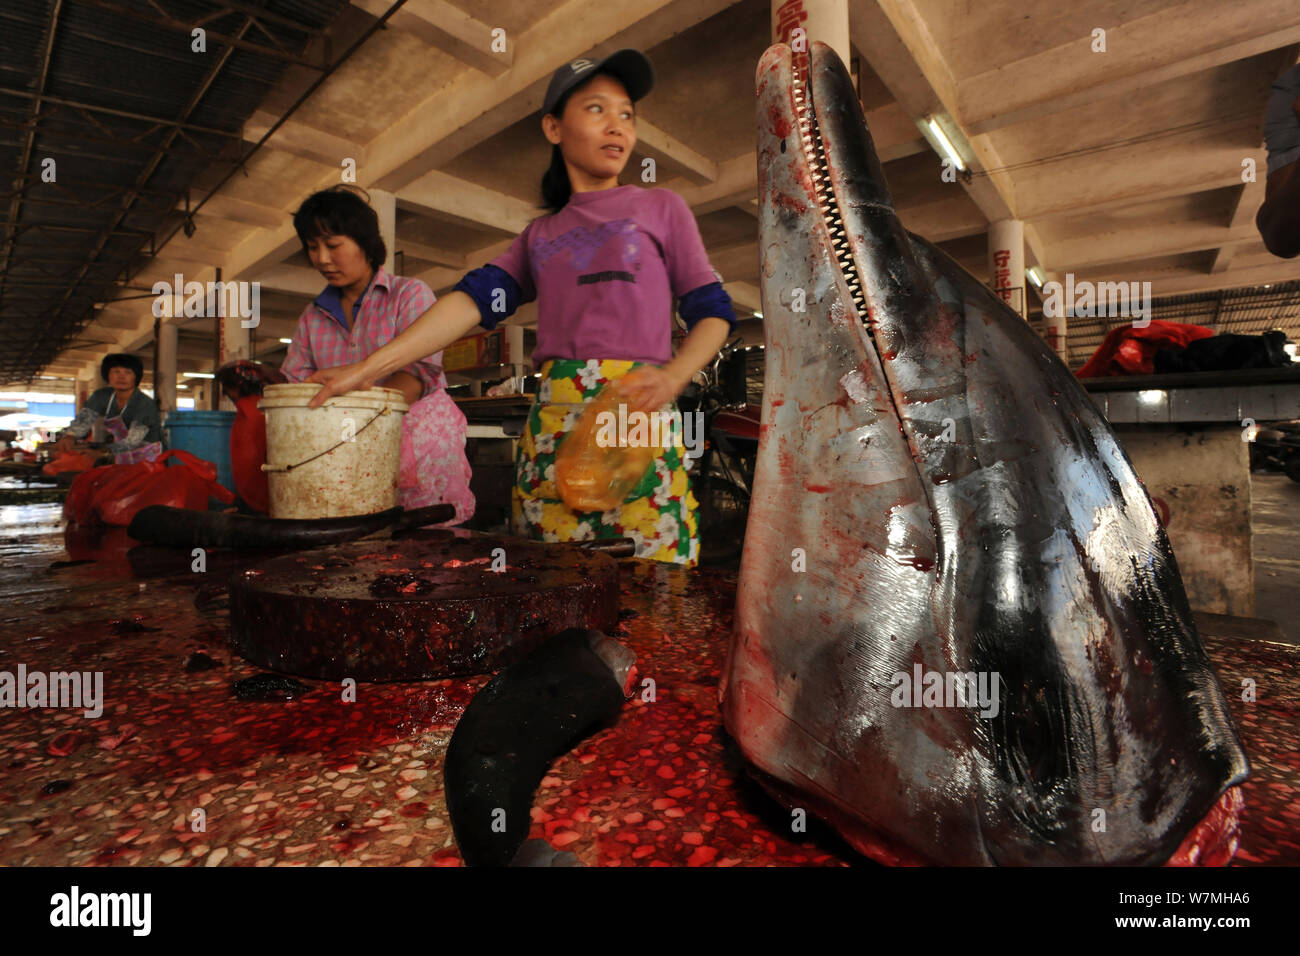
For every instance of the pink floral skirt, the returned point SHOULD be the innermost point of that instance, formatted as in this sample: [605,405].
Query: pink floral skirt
[434,469]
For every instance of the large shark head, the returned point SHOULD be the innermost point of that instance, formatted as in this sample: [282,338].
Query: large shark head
[960,634]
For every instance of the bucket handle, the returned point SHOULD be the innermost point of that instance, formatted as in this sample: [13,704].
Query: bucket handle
[339,444]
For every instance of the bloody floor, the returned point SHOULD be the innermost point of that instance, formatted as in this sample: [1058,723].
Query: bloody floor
[316,781]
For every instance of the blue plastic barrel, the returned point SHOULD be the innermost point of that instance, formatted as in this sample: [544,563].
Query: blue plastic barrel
[206,435]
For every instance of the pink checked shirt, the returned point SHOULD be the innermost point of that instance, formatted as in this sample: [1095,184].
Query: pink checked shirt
[386,308]
[434,468]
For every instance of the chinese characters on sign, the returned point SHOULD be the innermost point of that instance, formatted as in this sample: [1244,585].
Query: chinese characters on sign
[788,16]
[1012,295]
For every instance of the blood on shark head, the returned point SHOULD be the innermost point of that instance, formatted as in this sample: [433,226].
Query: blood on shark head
[973,514]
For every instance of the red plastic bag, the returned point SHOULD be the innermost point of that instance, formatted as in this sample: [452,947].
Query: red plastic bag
[123,486]
[248,453]
[1131,351]
[115,493]
[77,506]
[70,461]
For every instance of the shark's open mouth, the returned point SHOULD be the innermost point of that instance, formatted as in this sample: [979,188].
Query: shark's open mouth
[960,631]
[815,153]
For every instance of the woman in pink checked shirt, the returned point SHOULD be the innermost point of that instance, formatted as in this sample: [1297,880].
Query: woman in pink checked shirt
[363,307]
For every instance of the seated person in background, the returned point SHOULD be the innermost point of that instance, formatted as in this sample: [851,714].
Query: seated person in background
[1278,219]
[363,307]
[130,416]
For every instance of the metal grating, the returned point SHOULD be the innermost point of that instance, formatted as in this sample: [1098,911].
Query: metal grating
[1247,311]
[112,92]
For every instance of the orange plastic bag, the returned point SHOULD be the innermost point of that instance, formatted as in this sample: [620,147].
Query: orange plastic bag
[605,456]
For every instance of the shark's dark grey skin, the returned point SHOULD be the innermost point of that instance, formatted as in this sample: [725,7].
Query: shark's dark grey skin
[934,488]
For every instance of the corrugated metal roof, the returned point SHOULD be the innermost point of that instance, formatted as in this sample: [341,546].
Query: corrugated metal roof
[112,92]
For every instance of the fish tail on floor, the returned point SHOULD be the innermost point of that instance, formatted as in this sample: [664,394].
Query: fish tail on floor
[523,719]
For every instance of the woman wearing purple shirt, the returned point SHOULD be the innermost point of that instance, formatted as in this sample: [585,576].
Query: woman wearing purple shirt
[605,267]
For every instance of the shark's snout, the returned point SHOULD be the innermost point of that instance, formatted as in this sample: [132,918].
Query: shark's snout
[962,509]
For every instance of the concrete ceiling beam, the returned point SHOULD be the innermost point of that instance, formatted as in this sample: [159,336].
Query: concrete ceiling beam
[434,254]
[450,30]
[1175,41]
[1186,281]
[438,193]
[736,182]
[666,150]
[441,278]
[474,107]
[306,142]
[1223,259]
[896,41]
[293,279]
[941,221]
[197,248]
[1126,177]
[246,213]
[1249,198]
[1148,242]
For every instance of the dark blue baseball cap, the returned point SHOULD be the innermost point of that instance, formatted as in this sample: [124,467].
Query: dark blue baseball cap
[630,66]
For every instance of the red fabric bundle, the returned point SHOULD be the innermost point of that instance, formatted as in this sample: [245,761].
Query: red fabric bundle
[70,461]
[113,494]
[248,453]
[1131,351]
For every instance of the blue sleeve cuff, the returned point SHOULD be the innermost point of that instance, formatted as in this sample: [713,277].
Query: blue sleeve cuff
[708,301]
[494,291]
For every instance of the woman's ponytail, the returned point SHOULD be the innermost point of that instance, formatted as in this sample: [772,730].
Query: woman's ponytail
[556,188]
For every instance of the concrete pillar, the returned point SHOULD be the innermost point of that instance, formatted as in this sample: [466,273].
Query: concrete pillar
[234,340]
[165,386]
[234,345]
[385,205]
[824,20]
[83,388]
[1054,331]
[1007,262]
[1205,509]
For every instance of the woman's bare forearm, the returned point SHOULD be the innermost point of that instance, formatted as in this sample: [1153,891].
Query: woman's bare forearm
[698,350]
[412,388]
[450,318]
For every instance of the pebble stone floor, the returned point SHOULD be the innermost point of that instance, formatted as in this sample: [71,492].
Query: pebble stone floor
[319,782]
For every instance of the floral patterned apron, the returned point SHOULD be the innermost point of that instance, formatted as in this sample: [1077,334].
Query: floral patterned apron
[661,514]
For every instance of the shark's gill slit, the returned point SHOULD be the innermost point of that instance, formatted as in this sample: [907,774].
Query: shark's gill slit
[815,152]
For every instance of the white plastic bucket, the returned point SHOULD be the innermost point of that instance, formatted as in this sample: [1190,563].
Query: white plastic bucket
[337,460]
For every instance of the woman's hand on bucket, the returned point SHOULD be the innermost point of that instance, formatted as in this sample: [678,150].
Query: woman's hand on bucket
[340,380]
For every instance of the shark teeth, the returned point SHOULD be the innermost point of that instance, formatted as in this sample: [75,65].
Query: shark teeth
[815,154]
